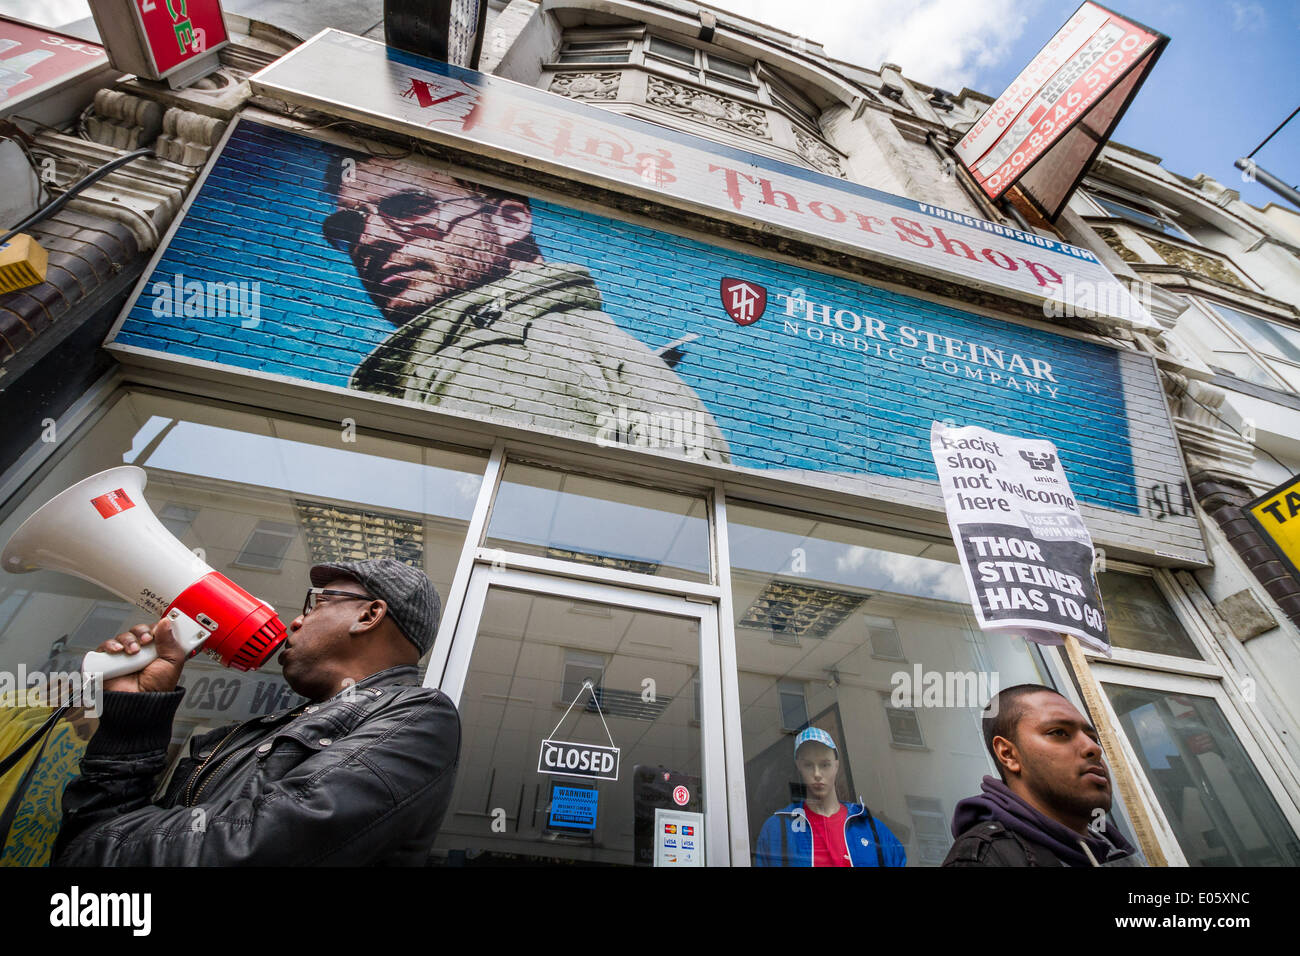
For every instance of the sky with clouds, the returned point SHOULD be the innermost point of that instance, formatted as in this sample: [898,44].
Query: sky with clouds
[1228,77]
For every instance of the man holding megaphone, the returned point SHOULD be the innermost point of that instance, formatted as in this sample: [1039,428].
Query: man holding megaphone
[361,774]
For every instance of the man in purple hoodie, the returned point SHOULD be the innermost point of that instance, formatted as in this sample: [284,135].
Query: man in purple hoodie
[1049,808]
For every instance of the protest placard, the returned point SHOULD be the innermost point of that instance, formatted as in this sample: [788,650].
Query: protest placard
[1025,550]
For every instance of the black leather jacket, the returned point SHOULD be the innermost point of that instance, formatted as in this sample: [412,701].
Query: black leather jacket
[361,778]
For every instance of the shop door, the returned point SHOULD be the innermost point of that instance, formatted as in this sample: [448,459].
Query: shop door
[590,726]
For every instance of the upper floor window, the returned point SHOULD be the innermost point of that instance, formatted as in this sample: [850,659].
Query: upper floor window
[1276,346]
[1138,216]
[596,51]
[1242,344]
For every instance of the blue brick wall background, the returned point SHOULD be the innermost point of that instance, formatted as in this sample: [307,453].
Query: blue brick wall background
[782,399]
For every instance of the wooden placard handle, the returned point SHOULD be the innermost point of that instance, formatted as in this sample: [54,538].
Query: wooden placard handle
[1120,772]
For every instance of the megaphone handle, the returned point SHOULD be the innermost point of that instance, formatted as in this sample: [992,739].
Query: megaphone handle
[186,630]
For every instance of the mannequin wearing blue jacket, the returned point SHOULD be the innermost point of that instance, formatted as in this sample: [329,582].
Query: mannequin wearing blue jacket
[809,833]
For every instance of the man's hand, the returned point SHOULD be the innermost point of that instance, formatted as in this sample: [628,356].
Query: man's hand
[160,674]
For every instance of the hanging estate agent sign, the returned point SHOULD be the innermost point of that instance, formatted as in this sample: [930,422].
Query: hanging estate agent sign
[1024,548]
[1044,131]
[364,80]
[1276,515]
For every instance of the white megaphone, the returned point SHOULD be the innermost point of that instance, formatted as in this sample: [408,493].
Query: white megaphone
[102,530]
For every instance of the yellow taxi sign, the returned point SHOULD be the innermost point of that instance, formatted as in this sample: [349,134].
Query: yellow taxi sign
[1277,516]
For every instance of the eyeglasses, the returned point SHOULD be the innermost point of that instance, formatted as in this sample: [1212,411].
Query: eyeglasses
[408,213]
[313,598]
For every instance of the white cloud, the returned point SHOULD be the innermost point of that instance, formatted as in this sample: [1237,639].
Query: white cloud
[47,13]
[947,43]
[901,574]
[1248,16]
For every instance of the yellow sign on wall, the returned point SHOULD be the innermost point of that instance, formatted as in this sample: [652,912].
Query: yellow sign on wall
[1277,515]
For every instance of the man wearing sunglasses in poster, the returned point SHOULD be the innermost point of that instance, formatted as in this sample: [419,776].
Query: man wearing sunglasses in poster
[360,774]
[454,266]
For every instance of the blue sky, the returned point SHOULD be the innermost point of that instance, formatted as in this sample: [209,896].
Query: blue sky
[1227,79]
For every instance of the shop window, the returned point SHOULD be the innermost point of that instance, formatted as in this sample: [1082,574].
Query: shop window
[600,523]
[1138,617]
[106,619]
[215,473]
[1221,811]
[266,546]
[859,599]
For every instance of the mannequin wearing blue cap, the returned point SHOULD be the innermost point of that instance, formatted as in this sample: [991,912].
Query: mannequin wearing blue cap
[821,831]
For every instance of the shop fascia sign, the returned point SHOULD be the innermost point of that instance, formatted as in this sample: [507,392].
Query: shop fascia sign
[364,80]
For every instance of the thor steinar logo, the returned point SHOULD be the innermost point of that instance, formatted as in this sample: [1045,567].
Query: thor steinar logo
[744,301]
[862,332]
[193,299]
[77,909]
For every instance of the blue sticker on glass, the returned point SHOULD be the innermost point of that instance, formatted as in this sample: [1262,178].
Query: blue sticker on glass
[573,808]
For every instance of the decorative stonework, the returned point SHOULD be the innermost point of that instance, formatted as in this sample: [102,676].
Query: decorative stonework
[709,108]
[1210,445]
[1196,262]
[818,154]
[586,86]
[1112,239]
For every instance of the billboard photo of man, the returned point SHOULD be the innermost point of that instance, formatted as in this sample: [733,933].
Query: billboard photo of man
[484,324]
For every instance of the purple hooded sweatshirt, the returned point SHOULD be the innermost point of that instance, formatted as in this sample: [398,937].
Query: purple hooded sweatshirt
[999,804]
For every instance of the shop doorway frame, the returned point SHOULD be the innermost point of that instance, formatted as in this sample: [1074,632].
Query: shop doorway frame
[487,576]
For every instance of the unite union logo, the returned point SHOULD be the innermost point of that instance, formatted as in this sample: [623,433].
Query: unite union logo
[744,301]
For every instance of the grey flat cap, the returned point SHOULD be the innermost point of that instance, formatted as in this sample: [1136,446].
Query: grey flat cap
[412,600]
